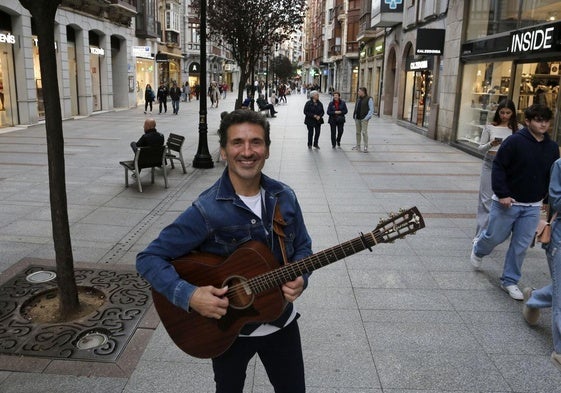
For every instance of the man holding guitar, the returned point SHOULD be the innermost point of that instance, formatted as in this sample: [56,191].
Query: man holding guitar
[201,294]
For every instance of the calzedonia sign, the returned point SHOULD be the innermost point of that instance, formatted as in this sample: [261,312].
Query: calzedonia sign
[533,42]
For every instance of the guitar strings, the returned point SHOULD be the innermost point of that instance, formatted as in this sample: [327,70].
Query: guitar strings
[285,273]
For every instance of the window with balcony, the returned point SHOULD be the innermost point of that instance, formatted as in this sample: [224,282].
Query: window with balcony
[173,17]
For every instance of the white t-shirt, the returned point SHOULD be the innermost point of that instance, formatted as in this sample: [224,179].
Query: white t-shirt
[255,204]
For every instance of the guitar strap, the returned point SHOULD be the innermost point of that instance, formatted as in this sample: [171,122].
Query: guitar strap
[278,224]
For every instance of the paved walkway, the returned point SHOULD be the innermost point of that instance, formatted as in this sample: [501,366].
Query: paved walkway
[411,316]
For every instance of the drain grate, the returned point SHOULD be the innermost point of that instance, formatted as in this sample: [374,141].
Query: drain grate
[100,337]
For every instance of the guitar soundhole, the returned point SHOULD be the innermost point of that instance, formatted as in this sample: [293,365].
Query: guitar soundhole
[239,294]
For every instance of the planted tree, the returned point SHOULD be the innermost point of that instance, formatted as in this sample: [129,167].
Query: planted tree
[284,69]
[43,13]
[251,28]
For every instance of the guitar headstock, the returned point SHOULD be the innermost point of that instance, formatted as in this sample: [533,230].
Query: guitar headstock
[399,225]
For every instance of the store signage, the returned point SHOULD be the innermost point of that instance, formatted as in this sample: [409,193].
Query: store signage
[430,41]
[391,6]
[533,40]
[97,51]
[7,38]
[531,43]
[194,68]
[419,64]
[162,57]
[142,51]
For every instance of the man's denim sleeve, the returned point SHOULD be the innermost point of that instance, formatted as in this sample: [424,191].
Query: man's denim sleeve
[176,240]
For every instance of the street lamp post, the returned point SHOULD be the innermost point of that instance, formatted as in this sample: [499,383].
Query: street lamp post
[203,159]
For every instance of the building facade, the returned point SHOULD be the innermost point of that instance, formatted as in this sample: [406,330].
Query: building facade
[92,56]
[441,67]
[107,52]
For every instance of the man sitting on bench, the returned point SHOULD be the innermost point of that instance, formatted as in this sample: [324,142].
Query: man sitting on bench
[263,105]
[151,136]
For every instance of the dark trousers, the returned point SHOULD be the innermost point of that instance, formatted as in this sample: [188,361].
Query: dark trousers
[311,129]
[280,353]
[146,103]
[336,133]
[165,104]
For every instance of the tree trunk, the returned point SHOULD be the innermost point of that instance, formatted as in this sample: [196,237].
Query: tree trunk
[43,13]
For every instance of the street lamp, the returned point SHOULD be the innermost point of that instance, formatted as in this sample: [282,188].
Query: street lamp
[203,159]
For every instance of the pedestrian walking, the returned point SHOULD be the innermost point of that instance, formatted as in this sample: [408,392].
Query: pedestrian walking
[364,110]
[520,181]
[242,205]
[550,295]
[175,95]
[336,110]
[313,112]
[186,92]
[149,97]
[163,98]
[214,95]
[503,125]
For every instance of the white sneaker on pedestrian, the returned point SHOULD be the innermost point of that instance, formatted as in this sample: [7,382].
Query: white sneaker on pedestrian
[475,260]
[365,149]
[356,147]
[513,291]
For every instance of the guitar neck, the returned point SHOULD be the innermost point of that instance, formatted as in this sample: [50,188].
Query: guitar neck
[323,258]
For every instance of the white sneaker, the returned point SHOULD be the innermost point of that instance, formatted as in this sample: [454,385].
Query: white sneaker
[356,147]
[475,260]
[513,291]
[365,149]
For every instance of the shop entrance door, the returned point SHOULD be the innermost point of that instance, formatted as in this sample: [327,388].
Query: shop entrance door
[7,91]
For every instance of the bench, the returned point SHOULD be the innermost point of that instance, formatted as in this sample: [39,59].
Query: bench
[174,145]
[146,157]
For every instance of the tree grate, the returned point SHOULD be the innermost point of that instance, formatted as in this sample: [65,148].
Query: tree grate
[127,297]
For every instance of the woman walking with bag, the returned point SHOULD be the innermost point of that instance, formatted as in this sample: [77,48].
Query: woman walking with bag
[336,110]
[313,110]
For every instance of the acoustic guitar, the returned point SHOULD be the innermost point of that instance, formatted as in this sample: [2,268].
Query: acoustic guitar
[254,279]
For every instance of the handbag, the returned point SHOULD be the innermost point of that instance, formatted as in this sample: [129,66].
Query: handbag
[320,121]
[543,231]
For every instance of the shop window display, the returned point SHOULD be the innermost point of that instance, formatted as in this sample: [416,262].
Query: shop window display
[484,86]
[537,83]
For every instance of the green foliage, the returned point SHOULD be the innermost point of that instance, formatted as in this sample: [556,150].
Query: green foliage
[251,28]
[284,69]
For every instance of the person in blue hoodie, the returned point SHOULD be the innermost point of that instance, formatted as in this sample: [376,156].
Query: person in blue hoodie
[520,181]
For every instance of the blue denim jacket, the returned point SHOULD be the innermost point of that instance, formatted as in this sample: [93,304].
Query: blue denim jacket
[218,222]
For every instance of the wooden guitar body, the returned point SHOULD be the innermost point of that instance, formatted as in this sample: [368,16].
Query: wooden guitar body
[201,269]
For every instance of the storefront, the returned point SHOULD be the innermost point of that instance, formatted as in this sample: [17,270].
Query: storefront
[522,66]
[168,68]
[418,87]
[8,102]
[194,78]
[145,71]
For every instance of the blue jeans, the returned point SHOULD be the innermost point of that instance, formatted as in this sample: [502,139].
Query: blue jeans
[554,261]
[175,106]
[521,222]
